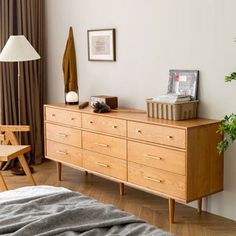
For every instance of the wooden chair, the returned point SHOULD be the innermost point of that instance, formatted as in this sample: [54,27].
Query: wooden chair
[10,149]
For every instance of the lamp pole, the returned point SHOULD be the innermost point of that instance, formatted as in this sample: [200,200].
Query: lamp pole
[18,98]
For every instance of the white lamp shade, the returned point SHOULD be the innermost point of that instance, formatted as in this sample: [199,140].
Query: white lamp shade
[18,48]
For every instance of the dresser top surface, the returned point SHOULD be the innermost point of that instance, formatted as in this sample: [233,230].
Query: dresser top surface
[137,115]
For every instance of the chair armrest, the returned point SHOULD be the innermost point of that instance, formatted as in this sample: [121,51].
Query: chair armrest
[14,128]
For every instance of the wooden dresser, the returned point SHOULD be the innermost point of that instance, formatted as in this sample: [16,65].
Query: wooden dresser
[175,159]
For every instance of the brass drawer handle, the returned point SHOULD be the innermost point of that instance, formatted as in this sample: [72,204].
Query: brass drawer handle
[153,157]
[169,137]
[103,165]
[53,115]
[63,135]
[90,122]
[61,152]
[139,131]
[72,118]
[114,126]
[152,179]
[102,144]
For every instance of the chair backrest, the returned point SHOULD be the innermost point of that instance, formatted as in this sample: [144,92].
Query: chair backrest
[14,128]
[7,135]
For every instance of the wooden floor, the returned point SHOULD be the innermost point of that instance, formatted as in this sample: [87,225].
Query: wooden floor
[151,208]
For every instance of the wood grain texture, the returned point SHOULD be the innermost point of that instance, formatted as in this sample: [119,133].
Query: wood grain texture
[171,203]
[158,180]
[14,128]
[63,135]
[149,207]
[122,189]
[204,164]
[8,152]
[63,152]
[66,118]
[3,186]
[26,169]
[14,150]
[157,157]
[137,115]
[59,169]
[199,206]
[167,158]
[104,144]
[2,138]
[157,134]
[104,124]
[106,165]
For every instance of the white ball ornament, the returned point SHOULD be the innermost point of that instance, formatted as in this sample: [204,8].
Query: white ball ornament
[72,97]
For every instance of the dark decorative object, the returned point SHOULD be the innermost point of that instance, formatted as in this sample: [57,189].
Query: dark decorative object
[82,105]
[101,107]
[111,101]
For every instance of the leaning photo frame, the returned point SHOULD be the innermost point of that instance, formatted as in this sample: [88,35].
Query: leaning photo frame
[184,82]
[101,45]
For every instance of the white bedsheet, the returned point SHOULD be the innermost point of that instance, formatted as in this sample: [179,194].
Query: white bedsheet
[31,191]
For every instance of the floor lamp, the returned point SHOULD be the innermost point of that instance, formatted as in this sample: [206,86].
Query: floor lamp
[18,49]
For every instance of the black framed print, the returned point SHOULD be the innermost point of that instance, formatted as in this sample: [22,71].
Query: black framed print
[101,45]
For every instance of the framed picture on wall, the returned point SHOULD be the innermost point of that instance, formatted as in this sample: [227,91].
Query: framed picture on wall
[101,45]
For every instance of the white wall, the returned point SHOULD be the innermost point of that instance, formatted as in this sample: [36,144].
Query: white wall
[153,36]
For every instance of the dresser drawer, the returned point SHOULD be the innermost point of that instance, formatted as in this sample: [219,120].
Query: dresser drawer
[158,134]
[105,165]
[158,157]
[63,117]
[157,180]
[104,124]
[65,153]
[103,144]
[63,134]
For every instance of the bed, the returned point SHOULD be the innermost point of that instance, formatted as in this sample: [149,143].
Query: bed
[47,210]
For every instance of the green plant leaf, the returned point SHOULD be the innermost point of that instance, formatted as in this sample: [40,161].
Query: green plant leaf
[228,124]
[228,128]
[230,77]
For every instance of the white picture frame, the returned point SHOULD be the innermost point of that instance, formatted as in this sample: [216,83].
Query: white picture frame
[101,45]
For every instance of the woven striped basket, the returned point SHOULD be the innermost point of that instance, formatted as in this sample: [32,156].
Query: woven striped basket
[178,111]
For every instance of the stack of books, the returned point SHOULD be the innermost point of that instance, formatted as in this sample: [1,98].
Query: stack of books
[172,98]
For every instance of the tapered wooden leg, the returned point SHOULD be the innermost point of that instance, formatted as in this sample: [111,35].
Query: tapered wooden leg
[26,168]
[199,206]
[122,189]
[3,185]
[171,210]
[86,173]
[58,171]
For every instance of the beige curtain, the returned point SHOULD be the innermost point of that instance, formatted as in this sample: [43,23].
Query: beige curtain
[24,17]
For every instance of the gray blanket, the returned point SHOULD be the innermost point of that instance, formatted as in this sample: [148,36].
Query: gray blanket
[69,213]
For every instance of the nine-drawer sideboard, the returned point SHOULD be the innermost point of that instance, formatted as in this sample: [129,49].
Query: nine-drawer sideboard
[174,159]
